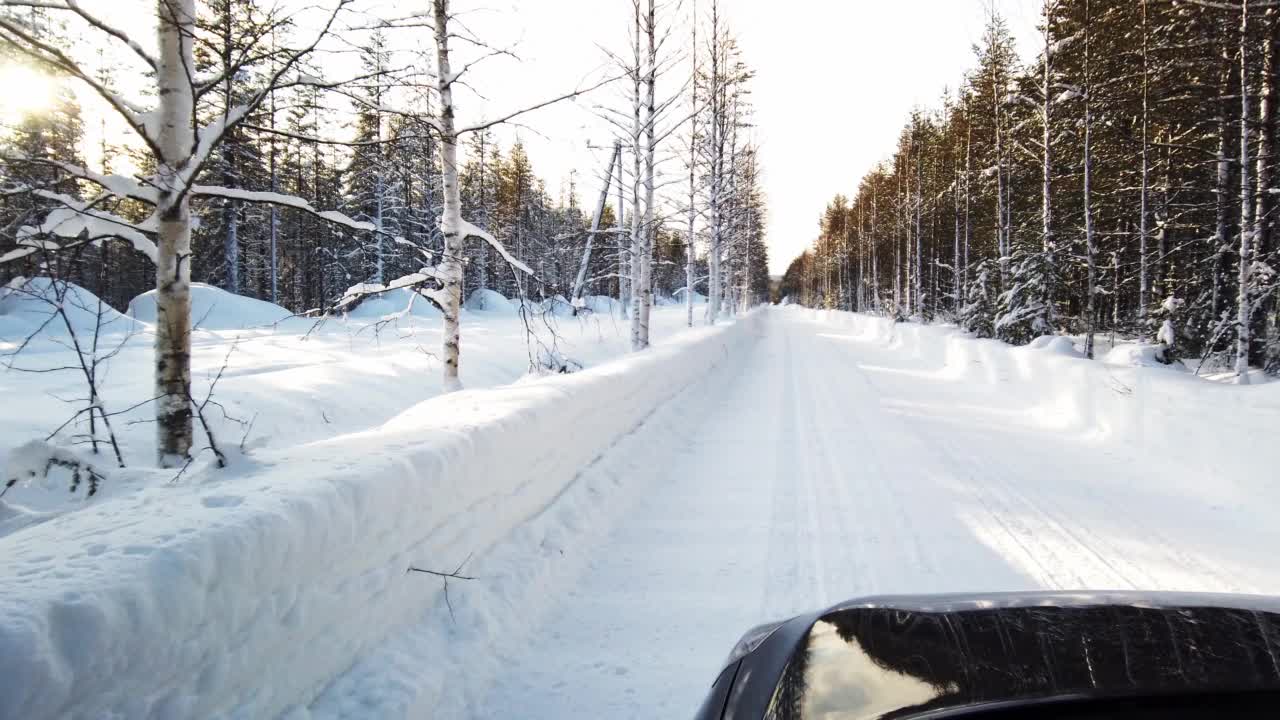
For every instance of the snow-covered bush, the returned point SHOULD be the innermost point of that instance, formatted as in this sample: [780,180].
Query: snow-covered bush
[33,461]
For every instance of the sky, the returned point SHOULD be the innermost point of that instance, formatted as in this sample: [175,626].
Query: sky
[834,82]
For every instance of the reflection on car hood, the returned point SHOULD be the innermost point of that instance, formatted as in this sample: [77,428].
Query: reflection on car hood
[899,657]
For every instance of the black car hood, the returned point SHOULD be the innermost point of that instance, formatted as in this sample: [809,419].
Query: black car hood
[935,656]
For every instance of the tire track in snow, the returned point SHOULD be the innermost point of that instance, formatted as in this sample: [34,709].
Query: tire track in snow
[839,523]
[781,566]
[1022,536]
[1063,544]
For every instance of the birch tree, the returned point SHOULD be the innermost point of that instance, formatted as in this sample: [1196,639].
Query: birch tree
[179,149]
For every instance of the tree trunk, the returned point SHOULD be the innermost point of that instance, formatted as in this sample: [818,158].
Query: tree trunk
[624,252]
[1144,283]
[1091,249]
[451,218]
[176,19]
[1222,209]
[1046,205]
[1002,240]
[1244,297]
[581,279]
[650,228]
[637,171]
[1265,204]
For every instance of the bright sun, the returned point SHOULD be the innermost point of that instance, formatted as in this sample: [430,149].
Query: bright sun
[26,91]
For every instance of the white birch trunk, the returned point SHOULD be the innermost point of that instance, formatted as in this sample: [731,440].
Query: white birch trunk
[637,161]
[451,219]
[717,116]
[650,230]
[176,142]
[581,279]
[624,251]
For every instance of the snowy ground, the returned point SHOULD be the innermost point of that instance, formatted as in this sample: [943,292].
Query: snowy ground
[286,382]
[624,524]
[840,462]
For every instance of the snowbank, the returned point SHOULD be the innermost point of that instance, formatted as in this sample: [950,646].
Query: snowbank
[392,304]
[603,304]
[244,596]
[558,306]
[697,296]
[492,301]
[1137,355]
[1151,411]
[27,305]
[213,308]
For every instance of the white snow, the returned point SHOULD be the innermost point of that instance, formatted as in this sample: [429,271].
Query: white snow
[1135,355]
[244,594]
[558,306]
[602,304]
[31,304]
[213,308]
[394,304]
[624,524]
[491,301]
[698,298]
[848,456]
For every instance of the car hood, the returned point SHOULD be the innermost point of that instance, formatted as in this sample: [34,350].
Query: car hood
[913,656]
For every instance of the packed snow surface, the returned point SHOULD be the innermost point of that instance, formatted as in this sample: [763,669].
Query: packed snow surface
[624,525]
[847,456]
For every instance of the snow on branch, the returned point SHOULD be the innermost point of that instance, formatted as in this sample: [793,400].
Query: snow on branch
[280,199]
[357,293]
[32,461]
[208,138]
[77,217]
[118,185]
[469,230]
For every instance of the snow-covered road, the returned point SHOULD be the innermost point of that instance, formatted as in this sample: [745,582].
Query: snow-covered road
[830,465]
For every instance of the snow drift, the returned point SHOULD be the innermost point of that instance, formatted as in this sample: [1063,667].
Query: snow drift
[391,304]
[492,301]
[213,308]
[1151,411]
[244,596]
[28,305]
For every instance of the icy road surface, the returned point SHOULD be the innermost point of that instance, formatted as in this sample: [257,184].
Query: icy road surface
[831,466]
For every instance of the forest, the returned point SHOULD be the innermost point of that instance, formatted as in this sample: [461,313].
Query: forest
[1121,183]
[252,161]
